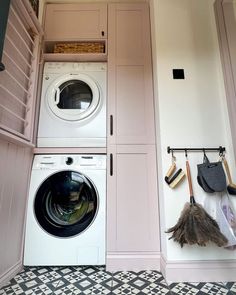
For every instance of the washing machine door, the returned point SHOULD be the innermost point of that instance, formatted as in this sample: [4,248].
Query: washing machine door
[66,204]
[73,97]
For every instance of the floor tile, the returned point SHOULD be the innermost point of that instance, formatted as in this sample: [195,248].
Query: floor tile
[86,280]
[144,282]
[231,287]
[199,288]
[68,289]
[91,280]
[38,289]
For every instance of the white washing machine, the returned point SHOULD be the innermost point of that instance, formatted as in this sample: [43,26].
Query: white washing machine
[66,211]
[73,105]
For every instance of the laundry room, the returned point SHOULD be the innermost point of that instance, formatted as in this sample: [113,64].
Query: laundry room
[98,99]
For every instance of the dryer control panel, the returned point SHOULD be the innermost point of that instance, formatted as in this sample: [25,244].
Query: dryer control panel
[78,67]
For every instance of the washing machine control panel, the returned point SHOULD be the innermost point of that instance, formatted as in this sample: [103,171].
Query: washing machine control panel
[55,162]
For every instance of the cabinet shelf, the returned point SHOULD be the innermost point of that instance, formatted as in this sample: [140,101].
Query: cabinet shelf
[50,55]
[75,57]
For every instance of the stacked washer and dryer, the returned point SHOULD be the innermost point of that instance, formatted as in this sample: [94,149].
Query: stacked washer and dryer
[66,211]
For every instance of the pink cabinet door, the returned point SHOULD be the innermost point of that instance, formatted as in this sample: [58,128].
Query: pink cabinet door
[132,200]
[68,22]
[130,88]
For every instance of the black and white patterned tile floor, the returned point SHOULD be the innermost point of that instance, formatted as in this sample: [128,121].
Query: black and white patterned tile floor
[96,280]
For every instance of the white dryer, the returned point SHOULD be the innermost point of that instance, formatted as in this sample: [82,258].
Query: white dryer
[73,105]
[66,211]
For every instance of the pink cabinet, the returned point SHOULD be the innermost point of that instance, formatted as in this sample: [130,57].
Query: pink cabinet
[78,21]
[130,91]
[132,199]
[68,25]
[133,222]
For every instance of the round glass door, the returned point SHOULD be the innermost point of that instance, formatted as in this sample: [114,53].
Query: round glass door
[66,204]
[73,97]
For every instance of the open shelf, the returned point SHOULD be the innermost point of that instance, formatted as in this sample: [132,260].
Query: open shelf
[51,55]
[75,57]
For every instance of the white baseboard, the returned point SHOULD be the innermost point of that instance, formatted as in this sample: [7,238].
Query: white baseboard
[129,261]
[199,271]
[10,273]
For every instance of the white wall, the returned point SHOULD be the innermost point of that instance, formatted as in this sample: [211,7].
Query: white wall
[190,112]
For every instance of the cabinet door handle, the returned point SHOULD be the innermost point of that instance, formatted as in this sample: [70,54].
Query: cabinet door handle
[111,164]
[102,32]
[111,125]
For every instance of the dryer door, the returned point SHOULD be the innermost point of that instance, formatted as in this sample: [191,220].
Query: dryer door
[73,97]
[66,204]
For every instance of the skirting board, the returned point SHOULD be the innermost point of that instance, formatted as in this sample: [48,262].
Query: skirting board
[10,273]
[127,261]
[199,271]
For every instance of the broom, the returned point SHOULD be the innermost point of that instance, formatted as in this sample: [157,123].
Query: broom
[195,225]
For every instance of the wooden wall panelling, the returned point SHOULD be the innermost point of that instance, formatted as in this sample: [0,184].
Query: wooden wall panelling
[15,163]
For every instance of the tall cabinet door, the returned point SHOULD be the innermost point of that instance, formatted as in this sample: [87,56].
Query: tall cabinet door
[130,109]
[132,200]
[133,222]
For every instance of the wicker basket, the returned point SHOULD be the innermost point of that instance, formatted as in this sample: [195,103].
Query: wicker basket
[80,47]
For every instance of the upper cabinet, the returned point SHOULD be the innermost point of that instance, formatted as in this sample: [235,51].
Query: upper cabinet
[129,33]
[130,89]
[75,32]
[74,22]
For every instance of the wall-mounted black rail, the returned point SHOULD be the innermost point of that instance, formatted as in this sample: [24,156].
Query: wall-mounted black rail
[220,149]
[4,11]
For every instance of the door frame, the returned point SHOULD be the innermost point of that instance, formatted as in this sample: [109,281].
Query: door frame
[226,29]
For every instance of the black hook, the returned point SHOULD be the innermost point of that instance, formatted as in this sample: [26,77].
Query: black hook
[186,153]
[204,152]
[221,151]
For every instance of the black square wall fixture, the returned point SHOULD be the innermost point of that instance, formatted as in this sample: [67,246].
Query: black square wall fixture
[178,74]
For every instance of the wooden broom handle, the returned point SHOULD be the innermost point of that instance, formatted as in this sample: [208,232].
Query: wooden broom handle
[227,171]
[171,170]
[189,179]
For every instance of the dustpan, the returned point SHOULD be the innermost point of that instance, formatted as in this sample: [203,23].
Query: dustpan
[226,219]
